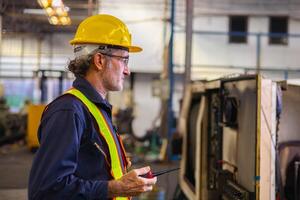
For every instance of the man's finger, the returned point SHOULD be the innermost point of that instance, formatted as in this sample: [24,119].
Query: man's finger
[143,170]
[150,181]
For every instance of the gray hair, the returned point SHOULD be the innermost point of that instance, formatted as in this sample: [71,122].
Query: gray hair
[80,64]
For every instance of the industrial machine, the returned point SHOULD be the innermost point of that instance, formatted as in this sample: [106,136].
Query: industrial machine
[230,135]
[12,125]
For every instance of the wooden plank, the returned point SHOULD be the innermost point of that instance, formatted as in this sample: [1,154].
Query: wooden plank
[264,157]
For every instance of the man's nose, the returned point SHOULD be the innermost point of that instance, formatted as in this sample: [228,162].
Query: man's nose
[126,71]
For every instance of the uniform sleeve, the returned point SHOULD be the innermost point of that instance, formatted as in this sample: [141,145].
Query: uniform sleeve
[52,174]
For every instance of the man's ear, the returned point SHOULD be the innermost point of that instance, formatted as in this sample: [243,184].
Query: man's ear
[98,61]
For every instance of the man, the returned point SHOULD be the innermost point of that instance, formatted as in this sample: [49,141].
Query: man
[81,155]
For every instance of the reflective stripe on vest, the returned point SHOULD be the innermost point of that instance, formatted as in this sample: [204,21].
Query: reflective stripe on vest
[116,164]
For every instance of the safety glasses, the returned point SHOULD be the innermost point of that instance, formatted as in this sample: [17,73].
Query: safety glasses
[124,59]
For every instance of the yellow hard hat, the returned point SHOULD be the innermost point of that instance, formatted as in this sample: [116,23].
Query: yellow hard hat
[104,29]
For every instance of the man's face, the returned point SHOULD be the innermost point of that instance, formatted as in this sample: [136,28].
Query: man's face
[116,70]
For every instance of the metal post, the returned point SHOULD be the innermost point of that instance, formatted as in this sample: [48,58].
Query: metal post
[188,41]
[286,75]
[22,56]
[171,81]
[60,82]
[90,7]
[165,21]
[258,52]
[51,52]
[43,86]
[39,52]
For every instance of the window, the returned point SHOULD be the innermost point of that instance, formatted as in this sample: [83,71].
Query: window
[238,26]
[278,26]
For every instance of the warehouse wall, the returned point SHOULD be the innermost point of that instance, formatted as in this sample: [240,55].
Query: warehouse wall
[146,24]
[249,7]
[214,50]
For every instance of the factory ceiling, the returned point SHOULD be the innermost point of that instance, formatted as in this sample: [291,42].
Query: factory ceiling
[27,16]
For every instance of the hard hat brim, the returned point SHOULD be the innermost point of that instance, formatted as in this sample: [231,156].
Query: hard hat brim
[135,49]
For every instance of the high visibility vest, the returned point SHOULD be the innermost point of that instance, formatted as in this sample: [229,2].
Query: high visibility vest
[117,171]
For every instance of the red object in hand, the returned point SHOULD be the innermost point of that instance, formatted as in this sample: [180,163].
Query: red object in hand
[148,175]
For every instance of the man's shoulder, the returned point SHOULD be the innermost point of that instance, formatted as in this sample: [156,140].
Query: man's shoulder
[66,102]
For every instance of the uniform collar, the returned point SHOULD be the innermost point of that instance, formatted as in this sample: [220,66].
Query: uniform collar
[89,91]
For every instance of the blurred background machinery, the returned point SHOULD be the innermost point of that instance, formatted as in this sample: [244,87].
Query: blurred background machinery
[13,126]
[236,141]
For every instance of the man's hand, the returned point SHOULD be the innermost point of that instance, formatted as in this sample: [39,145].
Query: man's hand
[131,184]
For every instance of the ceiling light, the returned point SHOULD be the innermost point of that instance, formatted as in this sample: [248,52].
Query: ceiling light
[60,11]
[53,20]
[50,11]
[67,9]
[65,20]
[44,3]
[57,3]
[34,11]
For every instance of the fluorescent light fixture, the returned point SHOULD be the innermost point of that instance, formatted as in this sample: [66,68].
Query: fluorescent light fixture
[34,11]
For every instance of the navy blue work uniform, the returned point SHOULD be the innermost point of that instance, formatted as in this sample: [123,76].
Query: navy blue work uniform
[69,163]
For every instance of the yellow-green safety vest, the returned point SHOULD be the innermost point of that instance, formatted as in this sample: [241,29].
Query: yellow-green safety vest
[116,163]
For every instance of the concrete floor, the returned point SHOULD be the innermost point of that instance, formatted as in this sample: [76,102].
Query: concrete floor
[15,163]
